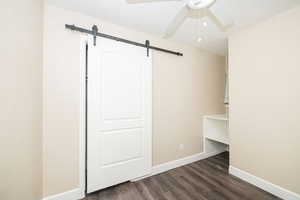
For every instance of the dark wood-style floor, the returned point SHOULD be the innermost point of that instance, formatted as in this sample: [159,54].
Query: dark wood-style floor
[203,180]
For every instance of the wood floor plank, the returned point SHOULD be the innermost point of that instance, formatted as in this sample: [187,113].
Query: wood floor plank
[143,191]
[154,189]
[203,180]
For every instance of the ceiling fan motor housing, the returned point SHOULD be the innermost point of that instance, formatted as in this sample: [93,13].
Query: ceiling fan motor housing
[199,4]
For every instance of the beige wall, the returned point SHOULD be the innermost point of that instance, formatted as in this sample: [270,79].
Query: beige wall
[21,98]
[185,88]
[264,69]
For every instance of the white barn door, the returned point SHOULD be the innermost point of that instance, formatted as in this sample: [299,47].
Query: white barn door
[119,139]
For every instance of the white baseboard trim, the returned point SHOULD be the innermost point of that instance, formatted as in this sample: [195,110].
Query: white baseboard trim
[178,163]
[263,184]
[75,194]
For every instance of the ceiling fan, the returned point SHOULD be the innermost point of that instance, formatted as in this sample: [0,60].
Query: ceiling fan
[191,9]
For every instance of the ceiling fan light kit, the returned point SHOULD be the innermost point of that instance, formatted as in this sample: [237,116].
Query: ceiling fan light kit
[199,4]
[190,7]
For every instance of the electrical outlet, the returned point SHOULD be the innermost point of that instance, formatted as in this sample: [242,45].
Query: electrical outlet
[181,147]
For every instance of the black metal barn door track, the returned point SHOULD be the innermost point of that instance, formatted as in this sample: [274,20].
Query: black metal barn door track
[96,34]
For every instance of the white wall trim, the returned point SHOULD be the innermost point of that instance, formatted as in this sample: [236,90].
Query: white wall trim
[178,163]
[78,193]
[263,184]
[75,194]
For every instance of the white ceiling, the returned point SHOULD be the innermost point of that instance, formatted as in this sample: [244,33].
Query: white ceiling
[154,17]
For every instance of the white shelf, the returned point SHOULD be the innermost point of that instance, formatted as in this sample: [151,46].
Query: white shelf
[215,131]
[223,140]
[222,117]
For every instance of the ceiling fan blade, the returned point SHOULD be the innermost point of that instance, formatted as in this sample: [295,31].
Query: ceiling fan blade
[216,21]
[177,21]
[147,1]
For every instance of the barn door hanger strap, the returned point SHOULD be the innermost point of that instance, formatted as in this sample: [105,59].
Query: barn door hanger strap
[95,31]
[147,44]
[96,34]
